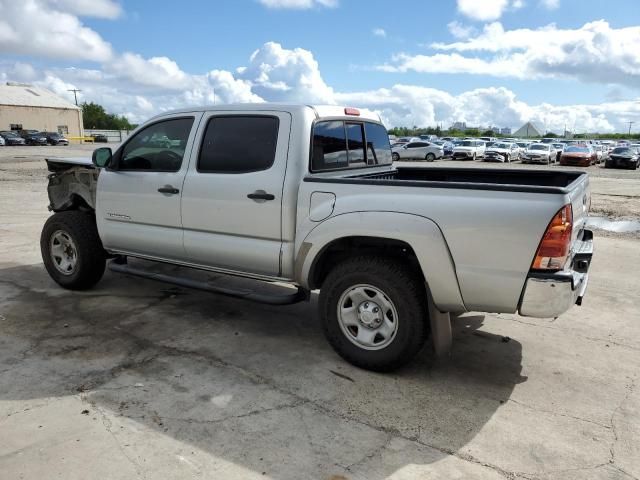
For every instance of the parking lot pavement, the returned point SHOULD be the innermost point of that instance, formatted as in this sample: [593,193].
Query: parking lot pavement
[140,379]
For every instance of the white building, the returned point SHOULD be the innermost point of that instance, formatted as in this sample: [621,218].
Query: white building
[27,107]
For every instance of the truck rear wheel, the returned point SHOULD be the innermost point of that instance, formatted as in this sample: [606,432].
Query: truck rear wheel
[72,251]
[374,312]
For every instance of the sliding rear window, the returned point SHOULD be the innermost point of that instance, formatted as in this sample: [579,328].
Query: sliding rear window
[338,144]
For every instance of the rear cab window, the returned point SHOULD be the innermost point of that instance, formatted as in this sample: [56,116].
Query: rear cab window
[342,144]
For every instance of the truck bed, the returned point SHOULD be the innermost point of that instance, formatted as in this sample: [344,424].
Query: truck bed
[517,180]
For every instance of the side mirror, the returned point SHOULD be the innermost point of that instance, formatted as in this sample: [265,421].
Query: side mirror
[102,157]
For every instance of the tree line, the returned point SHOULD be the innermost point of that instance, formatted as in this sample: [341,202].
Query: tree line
[94,116]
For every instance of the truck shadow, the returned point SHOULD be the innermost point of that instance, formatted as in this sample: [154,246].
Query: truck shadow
[253,385]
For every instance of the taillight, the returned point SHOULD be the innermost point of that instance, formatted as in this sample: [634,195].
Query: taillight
[556,243]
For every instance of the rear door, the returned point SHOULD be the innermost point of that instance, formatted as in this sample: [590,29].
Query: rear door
[138,202]
[232,199]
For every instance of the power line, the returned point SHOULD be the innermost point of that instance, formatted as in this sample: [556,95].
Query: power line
[630,123]
[75,94]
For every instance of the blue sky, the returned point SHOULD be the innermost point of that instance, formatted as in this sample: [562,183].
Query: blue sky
[491,55]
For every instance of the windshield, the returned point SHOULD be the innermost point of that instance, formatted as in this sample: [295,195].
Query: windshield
[574,149]
[501,145]
[538,147]
[623,150]
[523,144]
[467,143]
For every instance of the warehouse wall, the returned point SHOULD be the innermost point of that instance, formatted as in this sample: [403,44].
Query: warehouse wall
[41,118]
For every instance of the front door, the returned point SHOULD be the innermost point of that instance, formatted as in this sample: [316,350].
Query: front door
[232,200]
[138,200]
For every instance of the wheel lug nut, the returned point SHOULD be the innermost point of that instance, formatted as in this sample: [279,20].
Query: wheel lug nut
[376,310]
[366,305]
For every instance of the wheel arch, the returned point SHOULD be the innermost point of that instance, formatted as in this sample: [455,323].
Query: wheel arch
[414,239]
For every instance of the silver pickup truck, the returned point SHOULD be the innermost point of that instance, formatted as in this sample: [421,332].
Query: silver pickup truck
[309,196]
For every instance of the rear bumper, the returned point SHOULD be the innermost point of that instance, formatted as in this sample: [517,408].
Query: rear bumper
[548,295]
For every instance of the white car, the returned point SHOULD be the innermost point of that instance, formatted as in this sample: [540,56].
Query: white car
[1,141]
[418,150]
[523,145]
[502,152]
[469,150]
[539,153]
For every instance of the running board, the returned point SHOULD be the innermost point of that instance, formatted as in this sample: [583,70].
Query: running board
[299,296]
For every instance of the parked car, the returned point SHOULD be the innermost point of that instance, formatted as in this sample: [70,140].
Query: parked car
[578,156]
[502,152]
[12,138]
[55,138]
[388,247]
[523,145]
[559,149]
[99,138]
[37,138]
[429,138]
[417,150]
[539,153]
[469,150]
[599,151]
[447,147]
[626,157]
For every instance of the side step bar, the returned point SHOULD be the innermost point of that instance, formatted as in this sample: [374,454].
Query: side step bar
[299,296]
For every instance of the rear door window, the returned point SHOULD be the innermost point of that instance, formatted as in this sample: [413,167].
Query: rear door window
[238,144]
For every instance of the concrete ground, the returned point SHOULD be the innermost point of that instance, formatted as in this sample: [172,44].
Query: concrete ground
[137,379]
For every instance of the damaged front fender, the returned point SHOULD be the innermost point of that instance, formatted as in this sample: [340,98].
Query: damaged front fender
[72,186]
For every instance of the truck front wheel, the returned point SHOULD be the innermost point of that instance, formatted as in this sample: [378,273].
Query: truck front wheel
[374,312]
[72,251]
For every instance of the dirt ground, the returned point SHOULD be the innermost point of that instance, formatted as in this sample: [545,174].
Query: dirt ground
[136,379]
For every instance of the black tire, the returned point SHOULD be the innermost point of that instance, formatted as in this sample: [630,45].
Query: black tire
[430,157]
[403,287]
[395,157]
[474,157]
[90,255]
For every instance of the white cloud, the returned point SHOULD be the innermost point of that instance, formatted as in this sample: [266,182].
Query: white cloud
[596,53]
[379,32]
[550,4]
[37,27]
[487,10]
[88,8]
[461,31]
[280,74]
[298,4]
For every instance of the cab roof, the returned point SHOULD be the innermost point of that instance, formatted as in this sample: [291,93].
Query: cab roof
[320,111]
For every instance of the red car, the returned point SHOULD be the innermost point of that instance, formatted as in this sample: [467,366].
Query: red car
[578,156]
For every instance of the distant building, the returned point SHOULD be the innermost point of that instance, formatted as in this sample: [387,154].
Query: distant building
[459,126]
[24,106]
[528,130]
[505,131]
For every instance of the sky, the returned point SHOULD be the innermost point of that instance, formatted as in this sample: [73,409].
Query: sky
[571,64]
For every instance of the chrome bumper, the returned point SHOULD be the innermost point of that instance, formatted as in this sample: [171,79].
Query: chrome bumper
[548,295]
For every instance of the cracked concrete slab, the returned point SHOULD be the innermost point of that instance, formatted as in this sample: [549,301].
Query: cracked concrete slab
[136,379]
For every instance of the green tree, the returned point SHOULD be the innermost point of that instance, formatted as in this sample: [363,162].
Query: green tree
[95,116]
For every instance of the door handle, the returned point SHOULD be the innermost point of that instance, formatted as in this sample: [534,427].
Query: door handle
[169,189]
[261,195]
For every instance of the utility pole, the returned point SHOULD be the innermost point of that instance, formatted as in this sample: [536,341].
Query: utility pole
[630,123]
[75,94]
